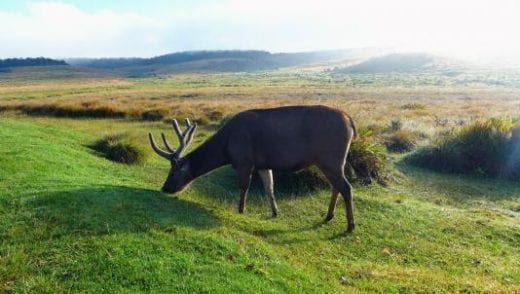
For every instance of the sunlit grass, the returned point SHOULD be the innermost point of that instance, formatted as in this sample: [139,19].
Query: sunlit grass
[74,221]
[385,98]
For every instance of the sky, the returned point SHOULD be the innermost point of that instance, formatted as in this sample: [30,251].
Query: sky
[478,29]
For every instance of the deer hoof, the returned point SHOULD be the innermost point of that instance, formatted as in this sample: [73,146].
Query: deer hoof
[328,218]
[275,213]
[350,228]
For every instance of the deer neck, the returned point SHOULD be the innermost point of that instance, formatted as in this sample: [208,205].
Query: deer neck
[208,156]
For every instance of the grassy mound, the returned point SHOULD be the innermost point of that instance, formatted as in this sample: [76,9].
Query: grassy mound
[70,111]
[153,115]
[308,180]
[483,147]
[119,148]
[401,141]
[366,160]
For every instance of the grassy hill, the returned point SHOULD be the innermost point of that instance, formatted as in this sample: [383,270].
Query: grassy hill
[403,63]
[71,221]
[217,61]
[349,61]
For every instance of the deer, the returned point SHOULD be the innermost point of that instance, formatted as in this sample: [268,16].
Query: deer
[289,138]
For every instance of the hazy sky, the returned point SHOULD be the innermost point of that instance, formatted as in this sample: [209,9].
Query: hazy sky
[95,28]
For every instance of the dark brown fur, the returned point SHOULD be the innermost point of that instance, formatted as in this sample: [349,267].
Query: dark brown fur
[285,138]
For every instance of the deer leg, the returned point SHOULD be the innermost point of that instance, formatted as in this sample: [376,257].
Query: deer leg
[244,181]
[267,179]
[349,205]
[332,205]
[340,183]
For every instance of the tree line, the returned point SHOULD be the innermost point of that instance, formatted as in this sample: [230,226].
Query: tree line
[39,61]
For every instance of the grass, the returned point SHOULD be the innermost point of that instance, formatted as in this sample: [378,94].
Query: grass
[374,98]
[401,140]
[119,148]
[366,158]
[71,221]
[483,147]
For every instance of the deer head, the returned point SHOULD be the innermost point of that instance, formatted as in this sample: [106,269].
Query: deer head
[179,176]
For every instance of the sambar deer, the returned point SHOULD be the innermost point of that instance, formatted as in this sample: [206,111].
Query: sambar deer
[287,138]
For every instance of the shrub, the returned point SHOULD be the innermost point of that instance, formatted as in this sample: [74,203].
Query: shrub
[511,167]
[401,141]
[153,115]
[413,106]
[71,111]
[119,148]
[366,160]
[214,114]
[202,120]
[478,148]
[307,180]
[395,125]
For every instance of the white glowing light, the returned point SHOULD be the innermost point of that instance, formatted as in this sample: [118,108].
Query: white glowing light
[464,28]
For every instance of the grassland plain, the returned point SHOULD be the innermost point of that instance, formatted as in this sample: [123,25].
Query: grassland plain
[370,98]
[73,221]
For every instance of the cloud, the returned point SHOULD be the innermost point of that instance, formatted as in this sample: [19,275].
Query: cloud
[56,29]
[464,28]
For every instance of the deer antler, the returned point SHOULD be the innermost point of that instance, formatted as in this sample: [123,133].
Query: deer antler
[166,144]
[158,150]
[184,139]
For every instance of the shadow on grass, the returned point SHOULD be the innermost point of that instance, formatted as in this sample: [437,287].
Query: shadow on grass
[109,209]
[222,184]
[302,234]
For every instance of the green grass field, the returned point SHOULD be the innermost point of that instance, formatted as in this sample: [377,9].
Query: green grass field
[73,221]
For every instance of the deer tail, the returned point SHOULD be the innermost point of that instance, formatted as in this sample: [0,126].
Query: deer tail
[353,125]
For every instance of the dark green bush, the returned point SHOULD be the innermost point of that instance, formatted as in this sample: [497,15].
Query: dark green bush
[214,114]
[71,111]
[153,115]
[401,141]
[366,160]
[202,120]
[395,125]
[478,148]
[413,106]
[307,180]
[119,148]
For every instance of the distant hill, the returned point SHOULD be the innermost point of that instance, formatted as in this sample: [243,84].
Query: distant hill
[40,61]
[26,73]
[368,60]
[403,62]
[216,61]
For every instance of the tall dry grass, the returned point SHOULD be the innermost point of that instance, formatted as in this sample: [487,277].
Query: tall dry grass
[210,98]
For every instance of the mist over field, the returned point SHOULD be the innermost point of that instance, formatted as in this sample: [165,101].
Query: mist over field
[427,93]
